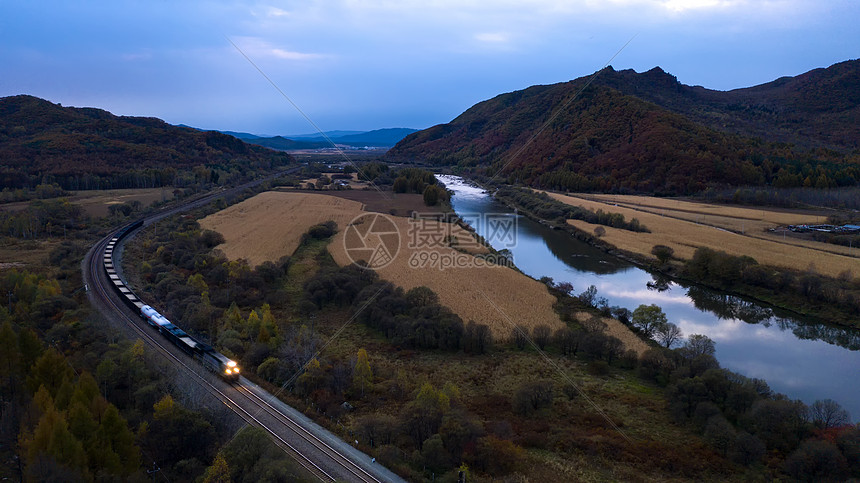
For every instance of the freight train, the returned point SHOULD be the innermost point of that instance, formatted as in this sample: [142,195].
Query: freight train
[210,358]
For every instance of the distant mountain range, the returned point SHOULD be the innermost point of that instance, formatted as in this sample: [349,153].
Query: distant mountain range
[376,138]
[90,148]
[647,132]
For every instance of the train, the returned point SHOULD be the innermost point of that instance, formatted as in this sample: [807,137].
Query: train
[211,359]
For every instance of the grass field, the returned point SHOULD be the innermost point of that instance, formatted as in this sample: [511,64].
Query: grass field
[269,226]
[496,296]
[97,202]
[688,231]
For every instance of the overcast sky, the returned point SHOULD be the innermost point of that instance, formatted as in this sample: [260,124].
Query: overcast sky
[361,65]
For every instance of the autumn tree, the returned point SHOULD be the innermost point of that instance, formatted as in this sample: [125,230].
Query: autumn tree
[219,472]
[362,375]
[649,318]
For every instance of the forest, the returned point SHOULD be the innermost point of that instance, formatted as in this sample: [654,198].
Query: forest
[618,135]
[85,148]
[274,317]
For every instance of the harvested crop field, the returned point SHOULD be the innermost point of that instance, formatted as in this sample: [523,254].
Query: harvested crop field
[271,224]
[497,296]
[685,236]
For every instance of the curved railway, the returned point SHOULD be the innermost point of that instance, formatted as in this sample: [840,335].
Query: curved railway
[298,436]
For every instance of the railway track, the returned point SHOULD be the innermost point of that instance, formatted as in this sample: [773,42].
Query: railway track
[305,441]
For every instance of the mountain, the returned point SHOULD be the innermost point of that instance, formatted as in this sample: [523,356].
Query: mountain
[240,135]
[647,132]
[820,108]
[87,147]
[377,138]
[317,136]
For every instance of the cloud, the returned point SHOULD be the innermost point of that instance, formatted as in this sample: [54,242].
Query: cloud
[492,37]
[256,47]
[276,12]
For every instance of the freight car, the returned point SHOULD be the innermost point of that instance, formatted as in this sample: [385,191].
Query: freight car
[210,358]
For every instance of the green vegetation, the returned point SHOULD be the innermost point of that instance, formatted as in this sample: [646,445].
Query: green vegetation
[428,393]
[836,300]
[77,401]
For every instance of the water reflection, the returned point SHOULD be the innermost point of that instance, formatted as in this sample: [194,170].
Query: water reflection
[803,360]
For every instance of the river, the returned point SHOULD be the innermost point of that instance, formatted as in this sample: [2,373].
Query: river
[800,359]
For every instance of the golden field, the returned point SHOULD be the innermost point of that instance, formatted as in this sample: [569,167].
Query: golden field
[514,299]
[269,226]
[684,234]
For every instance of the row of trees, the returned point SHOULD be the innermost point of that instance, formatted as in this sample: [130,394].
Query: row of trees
[547,208]
[826,295]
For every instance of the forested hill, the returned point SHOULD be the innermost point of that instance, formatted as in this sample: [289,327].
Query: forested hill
[91,148]
[649,133]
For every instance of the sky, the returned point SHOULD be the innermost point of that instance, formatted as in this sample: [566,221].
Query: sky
[362,65]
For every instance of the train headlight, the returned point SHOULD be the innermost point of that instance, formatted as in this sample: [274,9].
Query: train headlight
[236,370]
[231,364]
[227,371]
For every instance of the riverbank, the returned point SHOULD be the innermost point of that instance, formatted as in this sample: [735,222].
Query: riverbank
[826,299]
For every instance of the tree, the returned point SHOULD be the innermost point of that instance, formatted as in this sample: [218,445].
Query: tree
[663,253]
[362,375]
[599,231]
[219,472]
[698,345]
[541,334]
[433,194]
[520,335]
[401,185]
[649,319]
[747,449]
[720,434]
[827,413]
[668,334]
[816,460]
[531,396]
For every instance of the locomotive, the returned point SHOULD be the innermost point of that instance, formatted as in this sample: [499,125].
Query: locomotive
[211,359]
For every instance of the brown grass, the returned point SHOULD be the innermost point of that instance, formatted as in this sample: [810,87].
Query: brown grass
[270,225]
[685,236]
[96,202]
[496,296]
[616,329]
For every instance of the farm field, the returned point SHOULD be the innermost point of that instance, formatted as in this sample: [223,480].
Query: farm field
[685,235]
[97,202]
[269,226]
